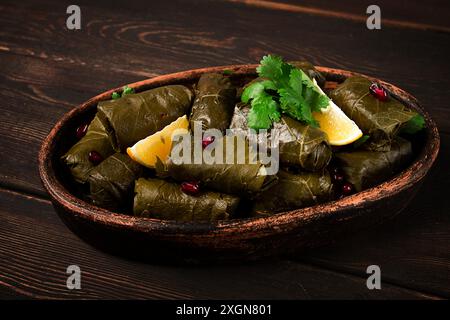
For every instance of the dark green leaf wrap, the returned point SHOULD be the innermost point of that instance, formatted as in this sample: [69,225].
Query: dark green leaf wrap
[77,158]
[380,120]
[214,102]
[156,198]
[365,169]
[300,145]
[136,116]
[307,147]
[233,177]
[310,70]
[111,182]
[294,191]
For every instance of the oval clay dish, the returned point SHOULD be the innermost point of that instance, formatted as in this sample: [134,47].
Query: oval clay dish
[234,240]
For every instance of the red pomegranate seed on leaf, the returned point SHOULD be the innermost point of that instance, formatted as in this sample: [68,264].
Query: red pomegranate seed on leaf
[95,157]
[191,188]
[378,92]
[347,189]
[207,141]
[81,130]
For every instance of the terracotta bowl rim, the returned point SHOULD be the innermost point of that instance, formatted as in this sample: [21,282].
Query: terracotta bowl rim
[254,227]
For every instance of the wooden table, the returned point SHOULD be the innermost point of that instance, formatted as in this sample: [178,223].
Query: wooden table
[46,70]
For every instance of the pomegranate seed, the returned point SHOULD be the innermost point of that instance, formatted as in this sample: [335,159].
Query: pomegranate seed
[95,157]
[207,141]
[347,188]
[337,177]
[378,92]
[191,188]
[81,130]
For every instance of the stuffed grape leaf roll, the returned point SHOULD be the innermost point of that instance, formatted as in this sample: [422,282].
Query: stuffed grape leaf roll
[233,174]
[307,146]
[294,191]
[136,116]
[381,120]
[300,145]
[111,183]
[365,169]
[96,139]
[160,199]
[214,102]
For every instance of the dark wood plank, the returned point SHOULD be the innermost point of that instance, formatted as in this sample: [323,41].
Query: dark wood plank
[430,15]
[36,248]
[413,249]
[144,38]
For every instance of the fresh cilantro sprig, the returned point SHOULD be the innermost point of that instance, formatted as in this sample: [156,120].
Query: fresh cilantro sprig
[125,90]
[287,89]
[265,109]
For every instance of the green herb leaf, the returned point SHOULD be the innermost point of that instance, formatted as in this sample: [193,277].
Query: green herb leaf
[227,72]
[252,91]
[414,125]
[127,90]
[263,113]
[273,68]
[264,109]
[301,97]
[115,96]
[297,93]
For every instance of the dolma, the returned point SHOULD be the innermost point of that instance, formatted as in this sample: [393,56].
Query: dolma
[381,120]
[156,198]
[294,191]
[214,102]
[136,116]
[311,71]
[231,175]
[111,183]
[365,169]
[300,145]
[77,158]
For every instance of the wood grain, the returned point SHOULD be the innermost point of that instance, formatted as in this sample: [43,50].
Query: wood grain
[400,14]
[36,248]
[153,38]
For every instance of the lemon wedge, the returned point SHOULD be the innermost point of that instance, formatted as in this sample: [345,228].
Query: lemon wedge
[157,145]
[341,130]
